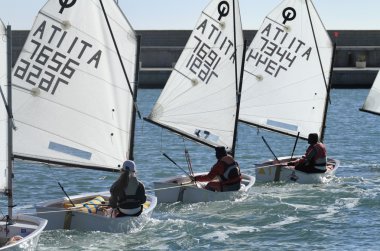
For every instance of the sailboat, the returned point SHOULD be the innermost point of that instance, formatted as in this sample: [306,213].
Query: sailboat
[75,104]
[287,83]
[372,103]
[18,232]
[199,101]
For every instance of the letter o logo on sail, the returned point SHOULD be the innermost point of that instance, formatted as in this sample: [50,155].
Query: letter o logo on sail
[223,9]
[289,14]
[64,4]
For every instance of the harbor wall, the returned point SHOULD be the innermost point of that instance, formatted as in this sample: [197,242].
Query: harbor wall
[160,49]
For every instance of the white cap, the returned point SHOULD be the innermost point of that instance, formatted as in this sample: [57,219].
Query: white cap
[129,165]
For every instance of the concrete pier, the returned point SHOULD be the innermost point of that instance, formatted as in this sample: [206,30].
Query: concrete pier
[160,50]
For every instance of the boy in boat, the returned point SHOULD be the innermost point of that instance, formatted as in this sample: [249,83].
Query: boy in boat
[315,158]
[127,193]
[226,170]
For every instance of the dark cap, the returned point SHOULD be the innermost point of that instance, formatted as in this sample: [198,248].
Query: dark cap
[220,151]
[313,138]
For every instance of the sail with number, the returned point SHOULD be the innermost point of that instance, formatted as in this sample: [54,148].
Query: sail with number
[3,111]
[372,103]
[287,72]
[73,104]
[199,99]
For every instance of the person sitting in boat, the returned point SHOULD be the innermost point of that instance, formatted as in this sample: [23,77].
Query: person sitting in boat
[127,192]
[226,171]
[315,158]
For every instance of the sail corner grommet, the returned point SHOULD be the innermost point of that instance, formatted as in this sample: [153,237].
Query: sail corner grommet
[194,82]
[66,25]
[35,91]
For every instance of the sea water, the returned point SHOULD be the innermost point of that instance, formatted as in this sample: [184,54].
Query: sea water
[341,215]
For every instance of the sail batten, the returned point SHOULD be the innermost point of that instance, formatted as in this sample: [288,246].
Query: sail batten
[288,65]
[79,109]
[199,99]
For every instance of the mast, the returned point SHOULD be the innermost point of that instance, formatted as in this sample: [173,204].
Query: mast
[10,125]
[236,83]
[328,85]
[119,56]
[238,96]
[316,44]
[327,96]
[235,47]
[133,126]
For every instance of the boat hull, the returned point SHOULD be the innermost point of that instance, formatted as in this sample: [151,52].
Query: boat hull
[181,189]
[28,227]
[61,218]
[270,172]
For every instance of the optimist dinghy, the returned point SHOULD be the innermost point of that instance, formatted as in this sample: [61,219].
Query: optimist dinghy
[201,99]
[287,79]
[278,171]
[91,213]
[74,102]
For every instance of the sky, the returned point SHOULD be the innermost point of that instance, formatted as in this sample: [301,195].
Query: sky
[183,14]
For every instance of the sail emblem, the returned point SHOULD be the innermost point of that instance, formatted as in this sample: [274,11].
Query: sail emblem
[288,14]
[203,134]
[223,9]
[64,4]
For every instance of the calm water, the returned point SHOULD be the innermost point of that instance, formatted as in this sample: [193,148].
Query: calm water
[341,215]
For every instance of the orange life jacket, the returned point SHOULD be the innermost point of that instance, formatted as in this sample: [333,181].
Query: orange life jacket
[319,160]
[231,173]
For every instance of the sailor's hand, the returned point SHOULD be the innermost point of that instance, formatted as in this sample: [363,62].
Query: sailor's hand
[291,163]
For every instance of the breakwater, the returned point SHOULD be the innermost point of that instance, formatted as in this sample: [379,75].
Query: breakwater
[357,59]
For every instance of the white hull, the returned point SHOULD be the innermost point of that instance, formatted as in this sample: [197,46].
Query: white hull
[62,218]
[28,227]
[269,172]
[181,189]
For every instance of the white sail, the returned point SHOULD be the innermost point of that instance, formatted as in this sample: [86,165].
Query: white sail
[3,112]
[372,103]
[199,99]
[287,71]
[72,104]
